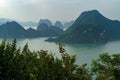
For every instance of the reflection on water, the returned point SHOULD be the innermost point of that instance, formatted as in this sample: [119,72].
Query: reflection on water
[85,52]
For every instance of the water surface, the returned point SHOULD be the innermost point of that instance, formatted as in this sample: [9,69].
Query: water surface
[85,52]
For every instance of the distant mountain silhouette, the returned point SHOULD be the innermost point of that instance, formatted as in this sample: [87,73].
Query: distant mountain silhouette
[42,27]
[24,24]
[46,21]
[90,27]
[15,30]
[59,24]
[44,30]
[31,33]
[12,29]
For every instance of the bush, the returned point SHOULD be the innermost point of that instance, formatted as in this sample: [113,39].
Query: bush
[23,64]
[107,67]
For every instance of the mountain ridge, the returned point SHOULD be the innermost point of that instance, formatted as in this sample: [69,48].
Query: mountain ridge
[15,30]
[85,26]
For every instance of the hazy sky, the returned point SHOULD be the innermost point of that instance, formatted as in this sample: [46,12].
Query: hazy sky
[63,10]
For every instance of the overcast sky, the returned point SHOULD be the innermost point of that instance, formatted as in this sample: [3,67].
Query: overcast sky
[62,10]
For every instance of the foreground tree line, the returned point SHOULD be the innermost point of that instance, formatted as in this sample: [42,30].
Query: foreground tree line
[23,64]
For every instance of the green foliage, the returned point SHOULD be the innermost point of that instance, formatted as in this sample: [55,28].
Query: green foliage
[83,33]
[107,67]
[23,64]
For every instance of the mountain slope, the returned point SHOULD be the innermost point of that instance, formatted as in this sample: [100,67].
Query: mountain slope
[90,27]
[58,24]
[44,30]
[12,29]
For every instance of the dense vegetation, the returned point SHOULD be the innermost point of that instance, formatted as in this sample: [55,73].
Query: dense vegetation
[84,33]
[23,64]
[90,27]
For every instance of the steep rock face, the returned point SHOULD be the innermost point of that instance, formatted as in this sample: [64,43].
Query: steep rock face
[59,24]
[31,33]
[42,27]
[90,27]
[12,29]
[48,31]
[87,33]
[45,21]
[95,18]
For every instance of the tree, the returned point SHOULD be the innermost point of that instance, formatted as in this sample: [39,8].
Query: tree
[107,67]
[23,64]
